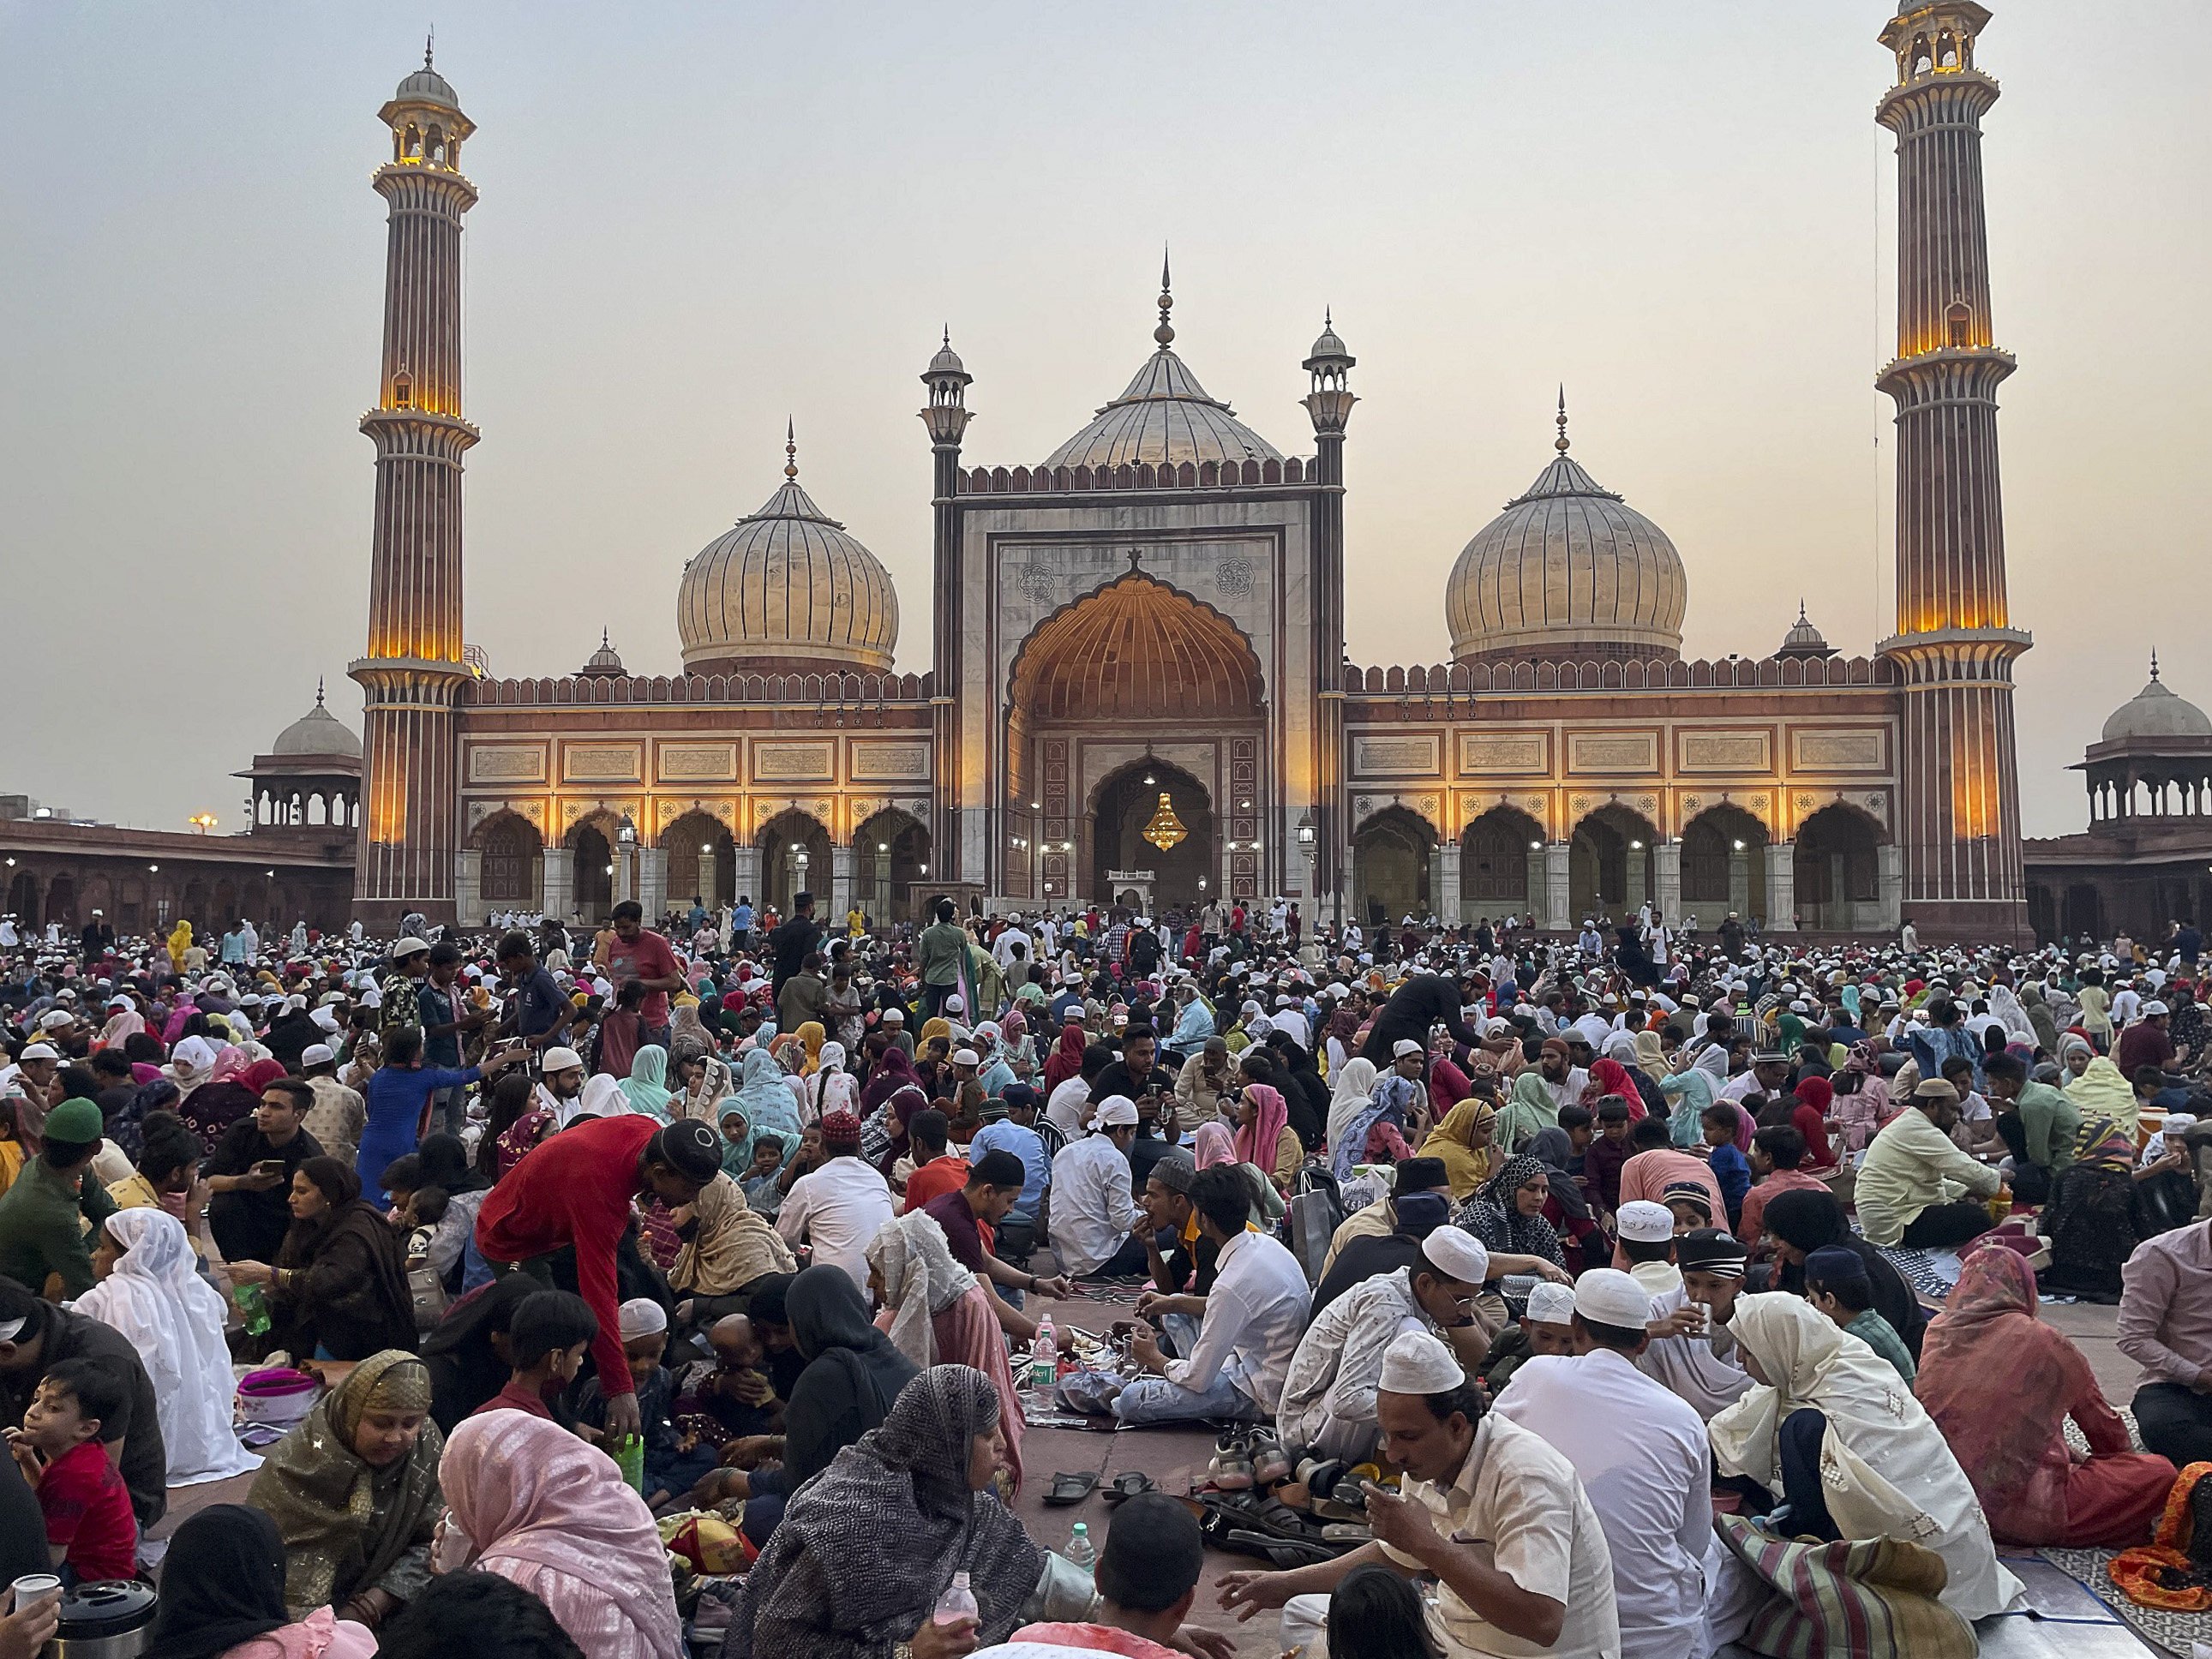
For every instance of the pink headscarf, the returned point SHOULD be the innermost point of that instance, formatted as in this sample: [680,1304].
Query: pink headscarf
[554,1515]
[230,1064]
[1256,1140]
[1213,1145]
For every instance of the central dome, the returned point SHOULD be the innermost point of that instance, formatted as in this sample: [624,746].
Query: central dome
[787,589]
[1567,571]
[1164,416]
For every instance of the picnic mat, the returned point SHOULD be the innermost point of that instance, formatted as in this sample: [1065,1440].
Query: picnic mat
[2176,1633]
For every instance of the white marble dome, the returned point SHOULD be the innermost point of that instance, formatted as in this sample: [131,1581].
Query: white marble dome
[786,588]
[1567,570]
[318,732]
[2156,713]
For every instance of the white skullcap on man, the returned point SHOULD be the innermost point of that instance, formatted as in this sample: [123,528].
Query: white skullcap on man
[642,1316]
[1607,1296]
[1456,1253]
[1551,1305]
[561,1060]
[1418,1363]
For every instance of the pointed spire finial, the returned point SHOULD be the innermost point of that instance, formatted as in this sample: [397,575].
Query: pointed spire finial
[948,336]
[1800,609]
[1165,332]
[2154,662]
[1561,443]
[1327,319]
[605,643]
[319,690]
[790,449]
[429,43]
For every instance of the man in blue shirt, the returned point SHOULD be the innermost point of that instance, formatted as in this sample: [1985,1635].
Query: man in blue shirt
[741,922]
[541,1012]
[1016,1133]
[445,1013]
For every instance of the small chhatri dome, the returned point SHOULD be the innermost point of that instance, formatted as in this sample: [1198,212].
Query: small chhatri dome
[606,663]
[2156,713]
[427,86]
[1567,571]
[787,589]
[318,732]
[947,361]
[1329,351]
[1803,640]
[1165,415]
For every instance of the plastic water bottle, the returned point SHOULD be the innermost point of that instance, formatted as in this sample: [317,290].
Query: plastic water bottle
[1044,1355]
[253,1309]
[1079,1550]
[957,1602]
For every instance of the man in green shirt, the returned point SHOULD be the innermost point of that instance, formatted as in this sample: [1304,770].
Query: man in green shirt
[2040,1124]
[43,1215]
[940,953]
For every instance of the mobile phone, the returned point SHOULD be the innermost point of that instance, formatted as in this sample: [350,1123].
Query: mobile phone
[269,1166]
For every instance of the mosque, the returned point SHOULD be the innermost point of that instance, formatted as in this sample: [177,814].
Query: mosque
[1135,683]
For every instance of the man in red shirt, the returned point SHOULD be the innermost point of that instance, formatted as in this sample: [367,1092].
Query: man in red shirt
[940,1170]
[576,1188]
[636,954]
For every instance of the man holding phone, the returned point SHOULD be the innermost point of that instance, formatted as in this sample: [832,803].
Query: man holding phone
[250,1172]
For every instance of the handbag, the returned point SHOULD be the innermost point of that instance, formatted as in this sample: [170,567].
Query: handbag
[428,1291]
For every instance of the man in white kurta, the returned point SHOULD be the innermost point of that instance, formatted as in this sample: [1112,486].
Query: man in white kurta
[1640,1452]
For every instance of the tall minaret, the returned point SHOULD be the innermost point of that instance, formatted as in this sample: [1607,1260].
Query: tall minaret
[947,416]
[413,672]
[1329,406]
[1953,648]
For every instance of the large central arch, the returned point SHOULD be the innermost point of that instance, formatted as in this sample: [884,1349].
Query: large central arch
[1133,664]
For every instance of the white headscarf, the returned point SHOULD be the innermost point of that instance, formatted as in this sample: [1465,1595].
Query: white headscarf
[174,1319]
[1885,1466]
[838,1090]
[603,1096]
[1355,1083]
[191,1063]
[920,1280]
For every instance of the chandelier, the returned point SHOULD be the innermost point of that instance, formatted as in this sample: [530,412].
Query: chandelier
[1165,830]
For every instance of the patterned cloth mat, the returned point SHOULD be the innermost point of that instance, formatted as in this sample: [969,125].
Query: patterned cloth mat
[1930,1272]
[2176,1633]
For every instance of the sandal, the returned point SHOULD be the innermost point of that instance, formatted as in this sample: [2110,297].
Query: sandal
[1130,1483]
[1068,1489]
[1287,1554]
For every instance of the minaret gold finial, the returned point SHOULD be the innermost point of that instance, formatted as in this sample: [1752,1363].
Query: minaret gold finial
[790,449]
[1561,443]
[1165,332]
[2154,662]
[430,41]
[319,690]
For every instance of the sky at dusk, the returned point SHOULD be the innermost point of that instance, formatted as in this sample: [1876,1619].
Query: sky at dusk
[699,220]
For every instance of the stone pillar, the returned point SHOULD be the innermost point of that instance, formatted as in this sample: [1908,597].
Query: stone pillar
[1348,892]
[1556,918]
[624,885]
[468,888]
[652,882]
[1444,884]
[558,886]
[1739,882]
[840,886]
[1536,906]
[745,874]
[1781,887]
[1667,881]
[1637,889]
[1889,886]
[706,877]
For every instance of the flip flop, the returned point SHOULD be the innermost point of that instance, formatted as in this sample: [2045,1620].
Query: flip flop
[1283,1552]
[1130,1483]
[1068,1489]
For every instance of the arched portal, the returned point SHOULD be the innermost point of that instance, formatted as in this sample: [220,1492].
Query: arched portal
[1609,864]
[1723,865]
[61,901]
[890,859]
[1837,871]
[1390,866]
[1128,802]
[508,876]
[1136,662]
[592,889]
[2085,912]
[23,898]
[703,861]
[1501,864]
[794,859]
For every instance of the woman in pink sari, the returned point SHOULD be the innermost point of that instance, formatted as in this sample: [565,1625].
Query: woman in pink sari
[938,1313]
[1859,1114]
[1264,1139]
[543,1509]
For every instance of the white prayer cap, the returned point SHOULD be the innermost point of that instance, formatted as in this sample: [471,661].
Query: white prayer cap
[1550,1304]
[561,1060]
[1403,1047]
[642,1317]
[1606,1296]
[956,1004]
[325,1019]
[1418,1363]
[2177,1121]
[1456,1253]
[317,1053]
[39,1051]
[1115,1110]
[966,1057]
[1643,1222]
[2151,1009]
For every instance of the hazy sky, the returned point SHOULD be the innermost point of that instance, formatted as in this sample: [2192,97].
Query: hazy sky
[698,219]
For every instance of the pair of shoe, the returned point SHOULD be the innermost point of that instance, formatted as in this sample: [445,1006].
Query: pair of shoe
[1231,1469]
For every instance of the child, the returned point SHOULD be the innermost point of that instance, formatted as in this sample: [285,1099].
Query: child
[424,1209]
[89,1527]
[763,1195]
[547,1339]
[673,1463]
[1647,1244]
[1727,1162]
[1548,1327]
[1601,1163]
[1836,1283]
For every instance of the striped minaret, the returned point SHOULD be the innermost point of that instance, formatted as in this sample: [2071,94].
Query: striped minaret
[1953,648]
[413,672]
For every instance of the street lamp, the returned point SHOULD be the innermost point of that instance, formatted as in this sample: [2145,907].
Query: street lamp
[201,821]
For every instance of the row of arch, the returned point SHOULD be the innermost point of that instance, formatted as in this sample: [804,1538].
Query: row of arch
[829,690]
[135,902]
[890,857]
[1729,673]
[338,809]
[1144,475]
[1612,865]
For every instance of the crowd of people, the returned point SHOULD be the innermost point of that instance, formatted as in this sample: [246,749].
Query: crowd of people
[598,1284]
